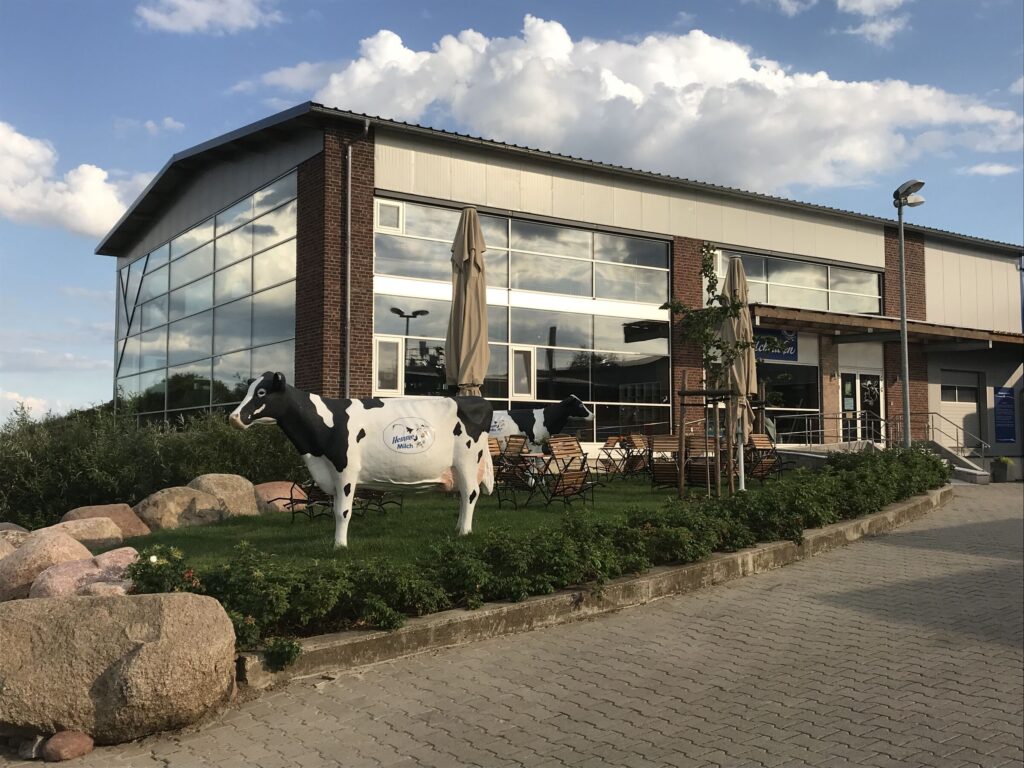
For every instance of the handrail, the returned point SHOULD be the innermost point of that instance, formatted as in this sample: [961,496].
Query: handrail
[816,434]
[959,437]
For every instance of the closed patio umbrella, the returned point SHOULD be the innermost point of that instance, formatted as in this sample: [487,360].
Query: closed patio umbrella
[465,348]
[742,374]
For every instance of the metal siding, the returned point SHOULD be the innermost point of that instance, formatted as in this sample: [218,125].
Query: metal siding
[503,186]
[469,178]
[933,274]
[655,213]
[432,175]
[537,192]
[627,207]
[567,197]
[598,203]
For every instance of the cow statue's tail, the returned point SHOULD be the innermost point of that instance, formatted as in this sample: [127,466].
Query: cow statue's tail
[487,481]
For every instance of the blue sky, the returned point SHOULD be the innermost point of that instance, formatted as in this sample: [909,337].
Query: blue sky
[828,101]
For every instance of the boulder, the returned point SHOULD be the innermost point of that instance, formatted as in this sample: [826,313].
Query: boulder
[179,506]
[237,494]
[5,548]
[273,496]
[14,538]
[121,514]
[73,578]
[12,527]
[40,551]
[94,532]
[66,745]
[116,668]
[105,588]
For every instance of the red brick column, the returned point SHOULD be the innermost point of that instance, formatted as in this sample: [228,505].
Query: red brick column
[831,395]
[914,255]
[686,288]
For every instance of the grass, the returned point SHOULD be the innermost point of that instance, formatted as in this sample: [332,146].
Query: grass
[400,536]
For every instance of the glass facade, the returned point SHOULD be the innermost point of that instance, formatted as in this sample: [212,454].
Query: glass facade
[199,316]
[618,364]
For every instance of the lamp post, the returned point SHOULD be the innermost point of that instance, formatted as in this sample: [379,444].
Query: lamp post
[905,197]
[408,317]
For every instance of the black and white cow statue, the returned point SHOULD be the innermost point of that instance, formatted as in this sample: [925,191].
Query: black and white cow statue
[538,424]
[432,443]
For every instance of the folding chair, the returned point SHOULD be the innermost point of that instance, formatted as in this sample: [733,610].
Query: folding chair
[612,459]
[761,459]
[566,473]
[664,460]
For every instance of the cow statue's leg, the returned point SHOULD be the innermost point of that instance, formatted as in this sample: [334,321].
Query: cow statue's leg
[344,496]
[467,479]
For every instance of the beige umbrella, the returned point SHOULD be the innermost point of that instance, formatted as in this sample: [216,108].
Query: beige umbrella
[465,348]
[742,374]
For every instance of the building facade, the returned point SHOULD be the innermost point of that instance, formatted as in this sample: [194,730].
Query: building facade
[316,243]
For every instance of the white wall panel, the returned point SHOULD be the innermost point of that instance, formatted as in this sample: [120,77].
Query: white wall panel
[627,207]
[972,289]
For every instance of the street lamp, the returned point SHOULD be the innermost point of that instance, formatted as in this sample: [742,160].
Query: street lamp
[905,197]
[407,318]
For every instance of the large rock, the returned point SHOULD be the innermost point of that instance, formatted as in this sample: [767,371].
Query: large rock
[121,514]
[12,527]
[179,506]
[116,668]
[274,496]
[40,551]
[237,494]
[6,548]
[76,577]
[94,532]
[14,538]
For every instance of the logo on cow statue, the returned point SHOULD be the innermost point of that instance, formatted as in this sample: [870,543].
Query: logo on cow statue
[409,435]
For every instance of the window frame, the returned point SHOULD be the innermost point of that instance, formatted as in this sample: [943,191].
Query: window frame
[532,352]
[399,342]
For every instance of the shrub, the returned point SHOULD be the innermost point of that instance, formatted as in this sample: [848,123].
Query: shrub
[161,569]
[281,652]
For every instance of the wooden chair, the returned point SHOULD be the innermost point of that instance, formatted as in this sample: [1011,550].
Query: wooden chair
[612,460]
[761,458]
[664,460]
[637,454]
[699,463]
[308,500]
[513,472]
[565,474]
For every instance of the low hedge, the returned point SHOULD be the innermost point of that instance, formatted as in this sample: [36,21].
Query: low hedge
[269,601]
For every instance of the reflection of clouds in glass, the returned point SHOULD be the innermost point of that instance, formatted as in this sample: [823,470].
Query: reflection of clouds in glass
[274,194]
[630,250]
[273,315]
[395,255]
[192,298]
[190,338]
[551,275]
[434,324]
[495,231]
[273,227]
[438,223]
[189,385]
[234,246]
[274,266]
[853,280]
[628,335]
[232,326]
[796,273]
[534,326]
[158,257]
[275,358]
[237,214]
[199,234]
[545,238]
[233,282]
[631,284]
[129,356]
[231,376]
[496,380]
[154,313]
[195,265]
[153,349]
[153,284]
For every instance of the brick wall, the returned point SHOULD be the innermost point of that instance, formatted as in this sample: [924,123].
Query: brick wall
[918,365]
[686,287]
[831,395]
[320,267]
[914,255]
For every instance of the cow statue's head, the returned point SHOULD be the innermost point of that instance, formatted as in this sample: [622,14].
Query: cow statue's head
[577,408]
[264,403]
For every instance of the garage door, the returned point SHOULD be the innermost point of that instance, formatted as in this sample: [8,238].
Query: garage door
[960,398]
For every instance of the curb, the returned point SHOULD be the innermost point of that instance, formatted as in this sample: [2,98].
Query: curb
[343,651]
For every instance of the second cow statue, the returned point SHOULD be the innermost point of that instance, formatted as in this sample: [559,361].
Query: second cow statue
[432,443]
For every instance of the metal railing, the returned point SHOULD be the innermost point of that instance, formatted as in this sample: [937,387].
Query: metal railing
[935,426]
[821,428]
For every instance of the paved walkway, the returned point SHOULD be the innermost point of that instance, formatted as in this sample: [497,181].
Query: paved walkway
[904,650]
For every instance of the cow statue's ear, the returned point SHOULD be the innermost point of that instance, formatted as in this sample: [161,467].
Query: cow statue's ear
[278,381]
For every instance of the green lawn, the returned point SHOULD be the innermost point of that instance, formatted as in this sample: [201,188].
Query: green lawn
[400,536]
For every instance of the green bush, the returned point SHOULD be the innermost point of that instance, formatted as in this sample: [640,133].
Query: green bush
[50,466]
[161,569]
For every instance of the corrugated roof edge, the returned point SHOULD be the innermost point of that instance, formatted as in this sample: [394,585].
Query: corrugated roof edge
[333,112]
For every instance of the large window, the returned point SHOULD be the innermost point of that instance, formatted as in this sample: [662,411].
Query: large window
[201,315]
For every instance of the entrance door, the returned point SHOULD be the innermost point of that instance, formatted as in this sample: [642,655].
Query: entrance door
[862,406]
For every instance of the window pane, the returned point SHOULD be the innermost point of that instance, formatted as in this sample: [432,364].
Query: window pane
[272,228]
[194,297]
[802,298]
[151,390]
[434,323]
[967,394]
[234,246]
[495,231]
[234,216]
[193,266]
[154,313]
[395,255]
[753,266]
[233,282]
[153,349]
[424,367]
[274,194]
[158,257]
[189,385]
[631,284]
[190,338]
[845,302]
[202,233]
[133,282]
[948,394]
[621,334]
[551,329]
[437,223]
[522,366]
[232,326]
[496,380]
[231,376]
[136,321]
[129,357]
[496,268]
[279,358]
[274,266]
[545,238]
[853,280]
[389,215]
[273,315]
[387,365]
[797,273]
[153,284]
[563,372]
[122,314]
[551,275]
[127,390]
[497,324]
[630,250]
[631,419]
[621,378]
[757,293]
[790,386]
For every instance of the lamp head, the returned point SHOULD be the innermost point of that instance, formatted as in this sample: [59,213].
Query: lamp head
[397,311]
[912,201]
[907,188]
[422,312]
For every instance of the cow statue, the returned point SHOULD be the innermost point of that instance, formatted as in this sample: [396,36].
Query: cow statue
[432,443]
[538,424]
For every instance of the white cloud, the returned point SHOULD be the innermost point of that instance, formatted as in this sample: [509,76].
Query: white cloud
[788,7]
[1017,86]
[683,19]
[86,200]
[990,169]
[303,77]
[36,360]
[209,16]
[869,7]
[691,105]
[81,292]
[124,126]
[880,31]
[167,124]
[9,402]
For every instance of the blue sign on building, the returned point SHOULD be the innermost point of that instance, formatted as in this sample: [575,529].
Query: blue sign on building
[1005,415]
[785,341]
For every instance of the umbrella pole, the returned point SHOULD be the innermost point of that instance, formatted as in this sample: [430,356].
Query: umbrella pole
[707,450]
[680,456]
[730,437]
[739,452]
[718,453]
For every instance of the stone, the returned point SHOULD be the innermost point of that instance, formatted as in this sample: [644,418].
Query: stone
[40,551]
[273,496]
[237,494]
[12,527]
[73,578]
[66,745]
[121,514]
[5,548]
[179,506]
[14,538]
[105,588]
[94,532]
[31,749]
[117,668]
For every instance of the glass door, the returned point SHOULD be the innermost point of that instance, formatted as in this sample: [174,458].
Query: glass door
[862,406]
